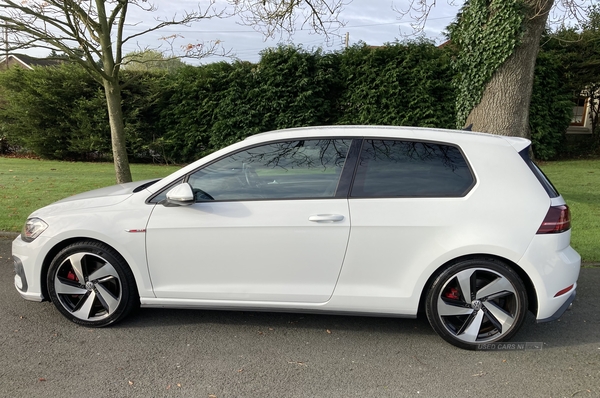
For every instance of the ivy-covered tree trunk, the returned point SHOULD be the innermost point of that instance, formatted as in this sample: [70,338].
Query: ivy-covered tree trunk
[504,106]
[498,47]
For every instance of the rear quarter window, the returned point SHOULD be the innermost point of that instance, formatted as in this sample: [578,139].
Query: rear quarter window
[395,168]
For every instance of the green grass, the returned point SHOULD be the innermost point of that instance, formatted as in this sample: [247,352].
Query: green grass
[27,184]
[578,181]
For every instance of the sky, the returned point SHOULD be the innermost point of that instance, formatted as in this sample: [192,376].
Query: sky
[371,21]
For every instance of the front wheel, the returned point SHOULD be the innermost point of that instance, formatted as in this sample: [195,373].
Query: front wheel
[476,302]
[91,284]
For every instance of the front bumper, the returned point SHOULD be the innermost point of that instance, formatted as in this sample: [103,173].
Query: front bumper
[25,269]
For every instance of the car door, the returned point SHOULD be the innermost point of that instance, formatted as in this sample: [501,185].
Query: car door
[265,226]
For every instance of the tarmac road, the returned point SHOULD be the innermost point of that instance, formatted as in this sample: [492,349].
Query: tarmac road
[186,353]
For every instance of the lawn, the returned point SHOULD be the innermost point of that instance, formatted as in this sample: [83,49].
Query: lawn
[28,184]
[578,181]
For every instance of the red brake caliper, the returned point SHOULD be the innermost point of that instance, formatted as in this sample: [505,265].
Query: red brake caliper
[72,277]
[453,294]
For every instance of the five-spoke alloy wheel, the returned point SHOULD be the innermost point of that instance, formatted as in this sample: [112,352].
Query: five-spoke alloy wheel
[91,284]
[476,302]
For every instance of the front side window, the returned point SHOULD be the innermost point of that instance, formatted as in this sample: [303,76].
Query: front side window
[393,168]
[280,170]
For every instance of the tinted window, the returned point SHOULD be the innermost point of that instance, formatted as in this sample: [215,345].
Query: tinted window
[291,169]
[539,174]
[391,168]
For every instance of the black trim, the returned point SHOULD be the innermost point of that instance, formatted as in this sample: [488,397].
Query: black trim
[539,174]
[18,266]
[349,170]
[146,185]
[560,311]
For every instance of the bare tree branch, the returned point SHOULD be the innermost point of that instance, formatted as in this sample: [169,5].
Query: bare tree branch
[272,17]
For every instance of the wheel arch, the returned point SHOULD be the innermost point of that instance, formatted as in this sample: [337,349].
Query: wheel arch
[56,249]
[530,289]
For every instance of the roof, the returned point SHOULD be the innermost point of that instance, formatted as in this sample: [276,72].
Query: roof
[367,130]
[28,61]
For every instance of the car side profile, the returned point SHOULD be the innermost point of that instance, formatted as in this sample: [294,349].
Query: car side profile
[358,220]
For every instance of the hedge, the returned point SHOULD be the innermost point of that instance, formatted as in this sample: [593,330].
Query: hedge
[59,112]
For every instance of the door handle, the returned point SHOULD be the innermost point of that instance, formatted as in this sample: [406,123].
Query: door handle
[326,218]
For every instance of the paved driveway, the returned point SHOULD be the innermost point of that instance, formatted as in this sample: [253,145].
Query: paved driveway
[185,353]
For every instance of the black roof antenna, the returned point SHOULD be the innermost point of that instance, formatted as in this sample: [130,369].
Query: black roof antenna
[469,127]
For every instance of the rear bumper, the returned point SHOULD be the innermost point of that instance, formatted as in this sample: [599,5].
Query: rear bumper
[561,310]
[553,266]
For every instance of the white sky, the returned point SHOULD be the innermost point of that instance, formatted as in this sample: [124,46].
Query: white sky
[371,21]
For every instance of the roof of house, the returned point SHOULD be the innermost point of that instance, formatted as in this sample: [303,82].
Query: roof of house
[28,61]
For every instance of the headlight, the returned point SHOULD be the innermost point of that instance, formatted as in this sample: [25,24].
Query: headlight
[32,229]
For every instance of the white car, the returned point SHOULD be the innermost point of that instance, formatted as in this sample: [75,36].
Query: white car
[349,219]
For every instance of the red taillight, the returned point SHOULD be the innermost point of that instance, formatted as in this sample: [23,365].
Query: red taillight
[558,219]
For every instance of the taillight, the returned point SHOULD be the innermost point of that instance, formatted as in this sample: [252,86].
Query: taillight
[558,219]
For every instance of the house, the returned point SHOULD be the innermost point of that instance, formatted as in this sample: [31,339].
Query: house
[581,122]
[25,61]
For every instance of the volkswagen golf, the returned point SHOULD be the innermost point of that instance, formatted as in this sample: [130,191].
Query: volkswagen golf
[357,220]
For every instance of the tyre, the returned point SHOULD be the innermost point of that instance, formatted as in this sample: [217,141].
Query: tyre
[91,284]
[479,301]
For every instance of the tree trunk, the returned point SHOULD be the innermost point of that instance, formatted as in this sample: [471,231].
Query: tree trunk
[117,131]
[504,107]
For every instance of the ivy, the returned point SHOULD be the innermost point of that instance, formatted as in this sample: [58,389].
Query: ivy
[486,34]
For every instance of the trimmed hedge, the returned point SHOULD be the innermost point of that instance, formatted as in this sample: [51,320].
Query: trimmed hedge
[60,113]
[398,84]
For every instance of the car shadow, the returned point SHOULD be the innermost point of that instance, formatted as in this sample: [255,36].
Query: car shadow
[576,327]
[151,317]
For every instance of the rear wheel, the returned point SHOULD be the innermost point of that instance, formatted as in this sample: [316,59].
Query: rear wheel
[91,284]
[476,302]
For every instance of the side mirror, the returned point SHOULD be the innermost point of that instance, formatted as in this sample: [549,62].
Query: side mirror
[181,195]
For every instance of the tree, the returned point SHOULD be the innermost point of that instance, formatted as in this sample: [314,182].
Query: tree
[97,27]
[498,46]
[497,43]
[151,60]
[273,17]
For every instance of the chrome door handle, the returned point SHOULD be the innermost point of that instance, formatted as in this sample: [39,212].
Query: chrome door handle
[326,217]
